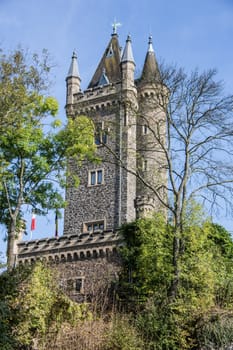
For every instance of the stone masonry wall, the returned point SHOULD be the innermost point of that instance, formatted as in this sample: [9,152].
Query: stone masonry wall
[89,280]
[100,202]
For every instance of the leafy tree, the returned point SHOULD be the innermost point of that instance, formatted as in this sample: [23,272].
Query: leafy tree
[32,155]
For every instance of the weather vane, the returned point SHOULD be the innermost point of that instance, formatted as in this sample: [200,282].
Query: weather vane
[115,25]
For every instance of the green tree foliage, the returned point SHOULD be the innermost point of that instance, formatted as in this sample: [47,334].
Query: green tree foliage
[206,274]
[146,256]
[32,154]
[32,305]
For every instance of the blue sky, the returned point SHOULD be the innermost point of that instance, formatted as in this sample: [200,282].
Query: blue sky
[191,33]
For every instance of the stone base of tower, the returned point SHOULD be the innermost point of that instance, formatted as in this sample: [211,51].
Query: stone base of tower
[90,280]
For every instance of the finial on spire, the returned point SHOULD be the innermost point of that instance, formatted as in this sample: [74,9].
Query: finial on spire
[74,54]
[150,47]
[115,25]
[128,37]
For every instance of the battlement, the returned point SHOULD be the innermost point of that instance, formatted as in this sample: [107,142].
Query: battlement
[70,247]
[95,92]
[94,99]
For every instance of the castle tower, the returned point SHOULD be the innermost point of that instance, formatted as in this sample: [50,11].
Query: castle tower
[151,136]
[124,112]
[130,132]
[106,194]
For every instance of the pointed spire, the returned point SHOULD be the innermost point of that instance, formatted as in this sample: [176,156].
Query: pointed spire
[73,70]
[110,61]
[128,52]
[150,72]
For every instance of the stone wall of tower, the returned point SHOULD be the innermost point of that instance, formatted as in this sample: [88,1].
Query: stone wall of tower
[89,203]
[128,140]
[112,201]
[128,158]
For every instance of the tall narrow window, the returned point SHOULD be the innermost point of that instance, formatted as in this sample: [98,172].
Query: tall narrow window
[145,129]
[93,178]
[144,165]
[79,284]
[99,177]
[100,134]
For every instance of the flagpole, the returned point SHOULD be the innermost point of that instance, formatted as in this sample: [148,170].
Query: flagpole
[56,223]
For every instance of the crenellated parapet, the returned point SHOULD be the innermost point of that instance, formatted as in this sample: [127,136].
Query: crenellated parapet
[70,248]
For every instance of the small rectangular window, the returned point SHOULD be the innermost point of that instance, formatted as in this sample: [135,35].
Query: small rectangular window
[94,226]
[96,177]
[79,285]
[97,139]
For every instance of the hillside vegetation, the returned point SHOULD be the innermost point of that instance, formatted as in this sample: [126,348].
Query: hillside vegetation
[35,314]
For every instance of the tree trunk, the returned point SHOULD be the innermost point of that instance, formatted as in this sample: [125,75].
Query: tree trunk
[11,246]
[175,254]
[175,261]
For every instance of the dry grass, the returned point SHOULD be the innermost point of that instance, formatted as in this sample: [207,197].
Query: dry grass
[88,335]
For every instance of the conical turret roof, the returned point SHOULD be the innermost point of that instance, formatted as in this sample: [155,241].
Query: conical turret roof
[109,64]
[150,72]
[73,70]
[128,52]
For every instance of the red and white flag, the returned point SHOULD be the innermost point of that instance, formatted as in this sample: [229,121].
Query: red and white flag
[33,222]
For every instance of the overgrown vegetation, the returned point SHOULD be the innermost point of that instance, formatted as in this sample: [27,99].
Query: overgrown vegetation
[200,317]
[32,306]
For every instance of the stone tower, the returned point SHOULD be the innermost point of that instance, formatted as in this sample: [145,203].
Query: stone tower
[151,137]
[125,112]
[130,133]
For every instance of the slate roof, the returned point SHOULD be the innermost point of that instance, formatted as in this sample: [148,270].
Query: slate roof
[150,72]
[73,70]
[109,63]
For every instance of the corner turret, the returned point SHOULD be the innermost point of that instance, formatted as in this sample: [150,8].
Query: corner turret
[73,80]
[127,65]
